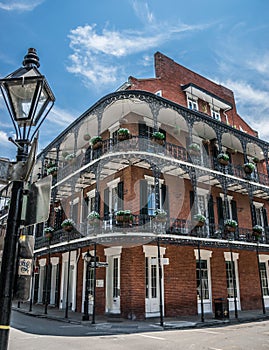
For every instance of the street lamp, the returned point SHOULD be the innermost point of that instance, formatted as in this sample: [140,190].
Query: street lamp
[29,99]
[88,260]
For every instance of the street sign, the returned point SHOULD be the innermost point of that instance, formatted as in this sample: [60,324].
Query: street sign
[37,202]
[100,264]
[4,170]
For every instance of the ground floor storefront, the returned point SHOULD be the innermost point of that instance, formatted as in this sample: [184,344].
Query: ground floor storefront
[138,281]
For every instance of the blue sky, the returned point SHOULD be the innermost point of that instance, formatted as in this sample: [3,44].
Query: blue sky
[88,49]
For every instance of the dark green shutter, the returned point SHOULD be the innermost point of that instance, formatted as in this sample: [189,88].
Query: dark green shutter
[234,210]
[220,211]
[210,207]
[265,219]
[85,204]
[142,130]
[106,203]
[253,214]
[120,195]
[143,197]
[191,202]
[165,198]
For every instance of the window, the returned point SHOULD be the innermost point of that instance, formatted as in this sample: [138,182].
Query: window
[264,279]
[215,115]
[116,290]
[192,104]
[202,276]
[230,279]
[151,200]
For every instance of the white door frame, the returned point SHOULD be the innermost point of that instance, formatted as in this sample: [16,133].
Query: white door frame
[152,305]
[112,302]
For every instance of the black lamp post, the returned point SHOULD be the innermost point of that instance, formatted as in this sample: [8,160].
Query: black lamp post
[29,99]
[88,260]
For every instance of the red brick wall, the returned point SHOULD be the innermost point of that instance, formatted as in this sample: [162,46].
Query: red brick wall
[180,281]
[170,76]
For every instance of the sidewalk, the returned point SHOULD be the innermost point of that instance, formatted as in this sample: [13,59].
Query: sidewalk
[116,325]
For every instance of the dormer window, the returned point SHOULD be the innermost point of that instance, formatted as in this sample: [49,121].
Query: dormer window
[215,112]
[192,102]
[158,93]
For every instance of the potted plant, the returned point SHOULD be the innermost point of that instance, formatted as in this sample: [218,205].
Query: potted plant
[158,137]
[96,142]
[160,215]
[194,149]
[255,160]
[230,225]
[68,225]
[87,137]
[124,216]
[94,218]
[123,134]
[223,158]
[52,170]
[70,158]
[249,168]
[48,231]
[257,230]
[199,220]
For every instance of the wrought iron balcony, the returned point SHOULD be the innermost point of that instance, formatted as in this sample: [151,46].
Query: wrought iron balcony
[145,224]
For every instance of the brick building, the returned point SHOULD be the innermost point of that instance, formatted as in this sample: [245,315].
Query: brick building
[172,195]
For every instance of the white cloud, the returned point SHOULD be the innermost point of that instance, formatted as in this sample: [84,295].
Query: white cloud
[94,53]
[60,117]
[20,5]
[260,63]
[4,139]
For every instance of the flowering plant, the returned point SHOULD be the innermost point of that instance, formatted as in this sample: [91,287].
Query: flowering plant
[68,222]
[48,230]
[194,147]
[257,228]
[70,156]
[123,131]
[223,156]
[158,135]
[230,222]
[95,139]
[93,215]
[199,217]
[160,213]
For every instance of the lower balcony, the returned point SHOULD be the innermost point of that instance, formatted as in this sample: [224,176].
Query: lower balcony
[147,225]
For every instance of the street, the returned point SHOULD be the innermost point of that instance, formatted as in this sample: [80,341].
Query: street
[31,333]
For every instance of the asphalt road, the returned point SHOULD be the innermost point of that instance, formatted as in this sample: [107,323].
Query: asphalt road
[31,333]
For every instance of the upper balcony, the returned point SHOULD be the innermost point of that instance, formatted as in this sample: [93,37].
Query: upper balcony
[142,228]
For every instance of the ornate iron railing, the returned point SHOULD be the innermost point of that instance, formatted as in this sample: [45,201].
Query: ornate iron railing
[141,224]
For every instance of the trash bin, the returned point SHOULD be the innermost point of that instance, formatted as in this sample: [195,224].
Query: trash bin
[221,308]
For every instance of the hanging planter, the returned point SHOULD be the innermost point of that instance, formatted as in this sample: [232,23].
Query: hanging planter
[94,218]
[230,225]
[158,137]
[87,137]
[52,170]
[223,158]
[257,230]
[123,134]
[48,231]
[160,215]
[249,168]
[199,220]
[96,142]
[70,158]
[255,160]
[194,149]
[68,225]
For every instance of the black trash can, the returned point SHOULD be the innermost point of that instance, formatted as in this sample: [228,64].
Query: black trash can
[221,308]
